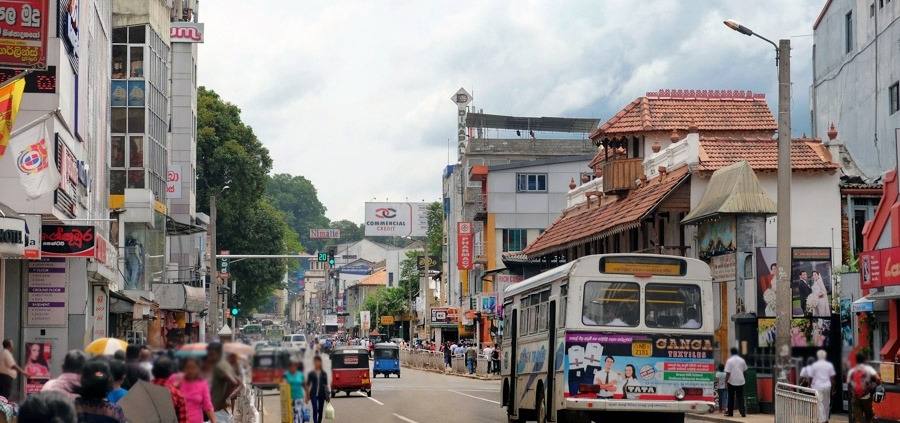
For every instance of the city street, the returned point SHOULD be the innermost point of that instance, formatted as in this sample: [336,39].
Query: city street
[416,397]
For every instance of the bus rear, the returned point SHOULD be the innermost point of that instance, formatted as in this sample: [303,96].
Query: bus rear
[639,337]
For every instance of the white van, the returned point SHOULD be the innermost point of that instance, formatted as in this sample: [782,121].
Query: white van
[294,341]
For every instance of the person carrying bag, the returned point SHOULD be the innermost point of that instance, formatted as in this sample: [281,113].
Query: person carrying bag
[318,391]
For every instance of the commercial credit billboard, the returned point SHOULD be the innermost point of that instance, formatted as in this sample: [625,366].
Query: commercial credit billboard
[396,219]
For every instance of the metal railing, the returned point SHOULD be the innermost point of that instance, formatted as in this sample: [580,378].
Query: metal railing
[796,404]
[424,359]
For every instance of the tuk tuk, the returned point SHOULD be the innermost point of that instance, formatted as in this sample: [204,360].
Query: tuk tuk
[269,365]
[387,359]
[350,371]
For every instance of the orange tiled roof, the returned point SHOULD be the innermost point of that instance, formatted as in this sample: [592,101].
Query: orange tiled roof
[762,154]
[708,110]
[584,222]
[377,278]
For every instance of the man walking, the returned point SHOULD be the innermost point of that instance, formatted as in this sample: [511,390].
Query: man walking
[224,382]
[9,370]
[821,375]
[470,358]
[448,352]
[734,377]
[862,381]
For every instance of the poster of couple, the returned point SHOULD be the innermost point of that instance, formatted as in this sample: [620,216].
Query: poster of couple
[811,283]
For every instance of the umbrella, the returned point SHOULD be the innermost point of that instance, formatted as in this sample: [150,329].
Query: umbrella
[238,348]
[148,403]
[105,346]
[195,350]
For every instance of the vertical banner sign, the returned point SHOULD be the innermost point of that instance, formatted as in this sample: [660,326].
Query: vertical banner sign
[100,312]
[461,98]
[23,33]
[365,322]
[32,236]
[173,181]
[223,264]
[46,305]
[465,241]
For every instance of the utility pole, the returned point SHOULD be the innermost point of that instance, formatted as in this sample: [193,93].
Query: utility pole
[213,274]
[428,295]
[783,290]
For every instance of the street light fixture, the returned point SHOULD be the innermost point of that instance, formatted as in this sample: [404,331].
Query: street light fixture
[783,235]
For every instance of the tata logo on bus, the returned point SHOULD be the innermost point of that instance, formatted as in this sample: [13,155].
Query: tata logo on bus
[186,32]
[638,389]
[685,347]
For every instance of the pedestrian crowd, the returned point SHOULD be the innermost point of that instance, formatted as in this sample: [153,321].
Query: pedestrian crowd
[93,389]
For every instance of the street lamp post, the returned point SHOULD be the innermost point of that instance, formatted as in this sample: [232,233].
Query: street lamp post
[783,287]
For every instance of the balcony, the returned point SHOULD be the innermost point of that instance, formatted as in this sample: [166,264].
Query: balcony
[620,174]
[476,205]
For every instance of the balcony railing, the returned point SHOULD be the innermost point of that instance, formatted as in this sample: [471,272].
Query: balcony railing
[620,174]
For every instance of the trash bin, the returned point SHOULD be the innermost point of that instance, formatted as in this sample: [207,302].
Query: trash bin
[751,396]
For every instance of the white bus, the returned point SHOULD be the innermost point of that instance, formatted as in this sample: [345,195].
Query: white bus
[605,336]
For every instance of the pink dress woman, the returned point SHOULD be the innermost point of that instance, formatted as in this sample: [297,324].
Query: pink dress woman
[196,397]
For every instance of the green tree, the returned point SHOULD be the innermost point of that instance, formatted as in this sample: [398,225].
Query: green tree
[350,232]
[298,199]
[435,237]
[234,164]
[386,302]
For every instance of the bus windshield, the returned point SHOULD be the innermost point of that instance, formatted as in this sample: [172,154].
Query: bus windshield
[611,304]
[672,306]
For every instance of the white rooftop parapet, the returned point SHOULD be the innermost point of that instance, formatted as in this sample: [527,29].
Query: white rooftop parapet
[576,196]
[685,151]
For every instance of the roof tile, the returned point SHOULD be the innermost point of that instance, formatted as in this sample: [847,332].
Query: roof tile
[762,154]
[708,110]
[584,221]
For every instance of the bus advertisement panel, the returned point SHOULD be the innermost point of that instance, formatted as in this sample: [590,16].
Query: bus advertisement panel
[638,366]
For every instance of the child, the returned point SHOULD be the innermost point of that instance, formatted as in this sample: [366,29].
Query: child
[721,388]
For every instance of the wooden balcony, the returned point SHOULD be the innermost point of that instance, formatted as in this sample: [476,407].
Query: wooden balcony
[620,174]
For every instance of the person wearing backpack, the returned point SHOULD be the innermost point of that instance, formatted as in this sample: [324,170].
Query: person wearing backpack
[862,381]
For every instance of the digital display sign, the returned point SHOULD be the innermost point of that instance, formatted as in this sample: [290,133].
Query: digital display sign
[36,82]
[635,265]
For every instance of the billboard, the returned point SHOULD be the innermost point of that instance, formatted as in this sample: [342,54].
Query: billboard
[324,234]
[186,32]
[396,219]
[23,33]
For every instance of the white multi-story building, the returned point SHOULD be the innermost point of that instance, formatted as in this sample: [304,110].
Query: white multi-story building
[856,79]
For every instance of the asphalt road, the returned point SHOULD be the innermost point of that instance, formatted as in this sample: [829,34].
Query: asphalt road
[415,397]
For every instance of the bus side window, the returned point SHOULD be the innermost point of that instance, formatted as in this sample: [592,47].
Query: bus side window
[563,300]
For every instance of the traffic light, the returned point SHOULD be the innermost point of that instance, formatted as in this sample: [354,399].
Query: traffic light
[331,252]
[235,311]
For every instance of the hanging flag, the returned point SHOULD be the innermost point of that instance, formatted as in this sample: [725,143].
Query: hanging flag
[10,97]
[31,151]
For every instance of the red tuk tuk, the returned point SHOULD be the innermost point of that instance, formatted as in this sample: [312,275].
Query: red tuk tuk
[269,365]
[350,371]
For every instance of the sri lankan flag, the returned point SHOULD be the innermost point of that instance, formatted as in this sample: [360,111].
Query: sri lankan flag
[10,97]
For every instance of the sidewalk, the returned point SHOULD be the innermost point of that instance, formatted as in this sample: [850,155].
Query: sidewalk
[753,418]
[452,373]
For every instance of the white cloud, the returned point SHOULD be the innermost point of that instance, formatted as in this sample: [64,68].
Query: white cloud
[355,95]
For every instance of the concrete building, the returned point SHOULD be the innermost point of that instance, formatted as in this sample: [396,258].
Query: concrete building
[856,69]
[70,104]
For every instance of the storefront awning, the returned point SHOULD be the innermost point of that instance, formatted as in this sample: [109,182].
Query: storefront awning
[175,228]
[875,296]
[180,297]
[732,189]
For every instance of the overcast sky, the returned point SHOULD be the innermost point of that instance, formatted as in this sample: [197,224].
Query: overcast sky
[355,95]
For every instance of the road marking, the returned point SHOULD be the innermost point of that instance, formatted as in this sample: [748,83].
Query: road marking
[376,401]
[478,398]
[407,420]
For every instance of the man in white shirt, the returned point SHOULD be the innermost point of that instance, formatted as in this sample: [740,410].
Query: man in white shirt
[608,379]
[734,377]
[691,322]
[821,374]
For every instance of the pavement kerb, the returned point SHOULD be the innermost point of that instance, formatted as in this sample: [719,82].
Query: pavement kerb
[465,375]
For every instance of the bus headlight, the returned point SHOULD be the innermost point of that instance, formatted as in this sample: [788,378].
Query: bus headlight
[679,394]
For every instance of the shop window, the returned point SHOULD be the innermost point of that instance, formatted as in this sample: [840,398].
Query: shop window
[136,151]
[119,61]
[136,120]
[136,178]
[116,181]
[118,118]
[117,152]
[137,62]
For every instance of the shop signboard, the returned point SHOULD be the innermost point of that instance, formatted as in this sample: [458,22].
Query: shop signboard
[614,366]
[32,236]
[47,296]
[68,241]
[324,234]
[100,311]
[488,303]
[12,237]
[723,267]
[387,320]
[444,316]
[465,246]
[396,219]
[173,181]
[880,268]
[23,33]
[424,263]
[186,32]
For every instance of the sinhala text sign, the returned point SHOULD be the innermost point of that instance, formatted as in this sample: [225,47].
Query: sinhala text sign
[23,33]
[396,219]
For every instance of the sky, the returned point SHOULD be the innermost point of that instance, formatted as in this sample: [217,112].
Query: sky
[355,95]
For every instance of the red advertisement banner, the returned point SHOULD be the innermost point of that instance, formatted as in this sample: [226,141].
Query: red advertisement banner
[879,268]
[23,33]
[465,246]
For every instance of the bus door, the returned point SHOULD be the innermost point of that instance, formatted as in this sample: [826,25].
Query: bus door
[551,359]
[513,375]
